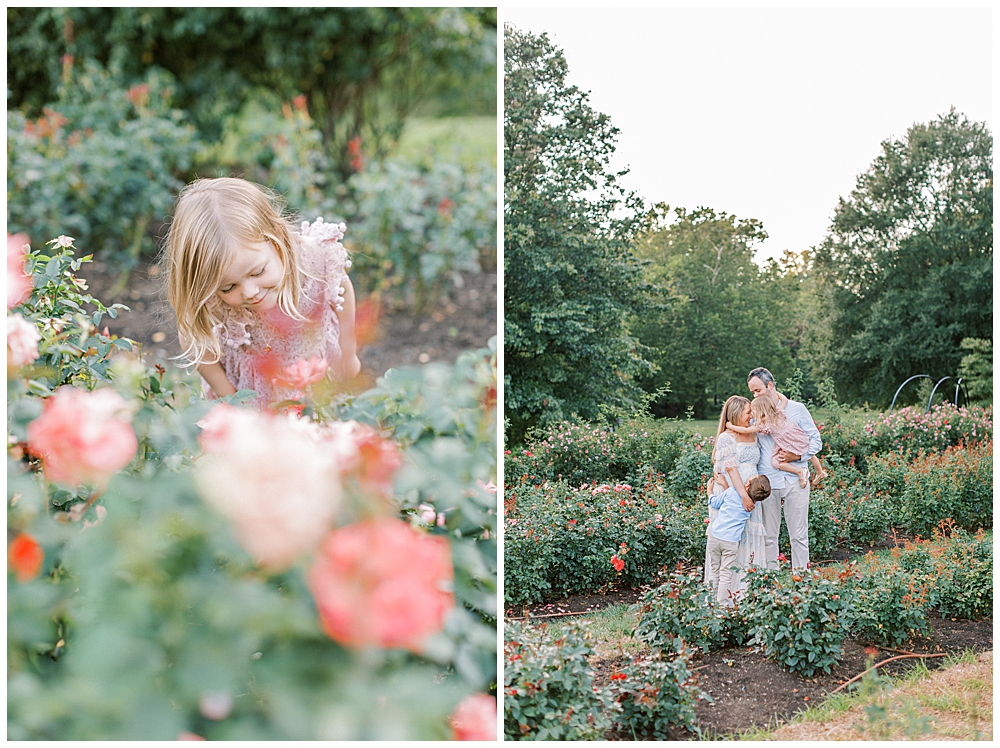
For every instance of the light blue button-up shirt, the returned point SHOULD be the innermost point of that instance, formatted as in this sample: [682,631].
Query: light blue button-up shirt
[732,517]
[799,414]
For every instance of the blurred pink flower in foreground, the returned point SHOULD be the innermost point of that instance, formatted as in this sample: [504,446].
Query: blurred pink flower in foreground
[83,437]
[18,283]
[475,718]
[382,583]
[302,373]
[22,342]
[275,478]
[369,457]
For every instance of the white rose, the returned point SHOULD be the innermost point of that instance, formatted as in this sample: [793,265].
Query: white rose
[276,480]
[22,342]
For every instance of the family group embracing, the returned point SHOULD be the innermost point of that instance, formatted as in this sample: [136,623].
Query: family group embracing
[761,458]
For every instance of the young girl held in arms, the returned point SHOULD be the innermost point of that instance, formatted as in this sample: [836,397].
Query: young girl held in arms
[259,305]
[788,435]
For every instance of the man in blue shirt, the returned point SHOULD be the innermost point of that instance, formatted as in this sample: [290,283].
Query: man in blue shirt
[726,529]
[785,489]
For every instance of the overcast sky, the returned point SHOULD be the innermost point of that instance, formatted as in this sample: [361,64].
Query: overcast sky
[768,113]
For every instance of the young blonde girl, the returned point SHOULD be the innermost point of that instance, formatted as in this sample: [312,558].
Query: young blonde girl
[259,304]
[788,435]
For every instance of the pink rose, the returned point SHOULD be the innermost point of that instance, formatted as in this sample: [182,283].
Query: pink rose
[22,342]
[475,718]
[83,437]
[302,373]
[18,283]
[275,478]
[367,456]
[383,583]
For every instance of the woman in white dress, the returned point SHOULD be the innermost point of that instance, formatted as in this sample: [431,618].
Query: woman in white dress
[735,458]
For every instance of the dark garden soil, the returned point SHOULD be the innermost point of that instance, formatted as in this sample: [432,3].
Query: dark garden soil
[466,318]
[749,690]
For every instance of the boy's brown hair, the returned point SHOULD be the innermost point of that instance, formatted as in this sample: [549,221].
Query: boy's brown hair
[760,488]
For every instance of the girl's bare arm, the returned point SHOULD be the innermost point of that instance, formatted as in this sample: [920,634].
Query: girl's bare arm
[743,429]
[350,363]
[217,379]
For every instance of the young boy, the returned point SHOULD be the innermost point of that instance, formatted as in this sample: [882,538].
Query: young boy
[725,530]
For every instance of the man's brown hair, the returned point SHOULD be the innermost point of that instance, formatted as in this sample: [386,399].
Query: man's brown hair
[760,488]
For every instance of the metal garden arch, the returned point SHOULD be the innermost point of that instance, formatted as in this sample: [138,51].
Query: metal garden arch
[958,385]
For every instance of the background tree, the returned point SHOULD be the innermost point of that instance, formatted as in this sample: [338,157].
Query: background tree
[720,315]
[362,70]
[976,368]
[571,283]
[907,269]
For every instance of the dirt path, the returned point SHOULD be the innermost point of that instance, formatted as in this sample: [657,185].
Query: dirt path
[466,319]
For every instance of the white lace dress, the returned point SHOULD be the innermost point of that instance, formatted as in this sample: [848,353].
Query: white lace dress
[743,456]
[257,347]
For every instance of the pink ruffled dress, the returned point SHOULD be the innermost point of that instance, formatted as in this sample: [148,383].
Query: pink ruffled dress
[788,436]
[259,349]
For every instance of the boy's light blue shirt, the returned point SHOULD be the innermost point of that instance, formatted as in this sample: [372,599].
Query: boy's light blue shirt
[732,517]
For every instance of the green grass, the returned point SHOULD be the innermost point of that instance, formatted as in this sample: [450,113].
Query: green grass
[867,692]
[469,141]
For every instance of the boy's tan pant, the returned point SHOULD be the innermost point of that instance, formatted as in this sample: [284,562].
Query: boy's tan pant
[721,559]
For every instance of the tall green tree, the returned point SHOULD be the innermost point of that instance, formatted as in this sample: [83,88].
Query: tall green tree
[907,269]
[719,314]
[571,283]
[361,70]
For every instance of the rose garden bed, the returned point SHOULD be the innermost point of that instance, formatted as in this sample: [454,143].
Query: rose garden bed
[914,488]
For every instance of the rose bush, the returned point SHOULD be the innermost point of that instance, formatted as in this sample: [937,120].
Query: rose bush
[176,601]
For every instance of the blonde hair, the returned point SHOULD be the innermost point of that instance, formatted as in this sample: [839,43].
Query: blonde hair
[731,411]
[765,411]
[213,221]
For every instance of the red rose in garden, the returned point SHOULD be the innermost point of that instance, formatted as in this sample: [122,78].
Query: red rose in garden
[25,557]
[382,583]
[475,718]
[617,563]
[83,437]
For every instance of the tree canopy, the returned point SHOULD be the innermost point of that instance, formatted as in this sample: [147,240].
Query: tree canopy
[361,70]
[571,283]
[906,272]
[719,315]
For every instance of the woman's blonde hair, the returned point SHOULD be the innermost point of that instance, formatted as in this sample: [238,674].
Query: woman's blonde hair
[765,411]
[214,219]
[731,411]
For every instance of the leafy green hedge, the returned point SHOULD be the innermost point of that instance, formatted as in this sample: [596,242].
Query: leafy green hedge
[103,164]
[561,540]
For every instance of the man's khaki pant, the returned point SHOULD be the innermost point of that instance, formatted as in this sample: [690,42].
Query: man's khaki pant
[796,509]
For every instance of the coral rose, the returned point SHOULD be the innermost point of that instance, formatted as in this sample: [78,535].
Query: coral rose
[25,557]
[382,583]
[22,342]
[275,478]
[475,718]
[18,283]
[83,437]
[302,373]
